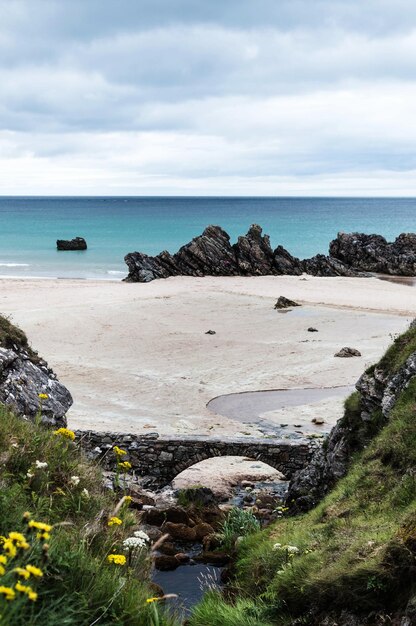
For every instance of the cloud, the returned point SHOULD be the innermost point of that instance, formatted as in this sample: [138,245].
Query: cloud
[227,97]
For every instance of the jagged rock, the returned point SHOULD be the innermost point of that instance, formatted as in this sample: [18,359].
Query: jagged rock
[211,254]
[78,243]
[321,265]
[285,303]
[346,353]
[22,379]
[311,329]
[372,253]
[210,332]
[378,391]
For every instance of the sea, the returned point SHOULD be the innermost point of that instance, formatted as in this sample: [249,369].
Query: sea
[114,226]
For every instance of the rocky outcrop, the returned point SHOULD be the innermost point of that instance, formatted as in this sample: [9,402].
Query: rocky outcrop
[212,254]
[347,353]
[365,414]
[78,243]
[285,303]
[372,253]
[23,378]
[24,375]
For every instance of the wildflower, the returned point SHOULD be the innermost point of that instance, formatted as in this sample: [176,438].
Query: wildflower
[19,540]
[41,464]
[277,546]
[125,465]
[35,571]
[150,600]
[8,592]
[2,570]
[118,451]
[20,571]
[43,396]
[9,548]
[66,433]
[127,499]
[140,534]
[26,515]
[3,559]
[292,550]
[32,595]
[40,526]
[116,559]
[85,493]
[42,536]
[30,474]
[74,480]
[114,521]
[134,543]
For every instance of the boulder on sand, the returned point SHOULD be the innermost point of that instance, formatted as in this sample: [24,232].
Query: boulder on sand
[348,352]
[285,303]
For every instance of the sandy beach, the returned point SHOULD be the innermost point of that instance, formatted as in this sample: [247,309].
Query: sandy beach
[136,357]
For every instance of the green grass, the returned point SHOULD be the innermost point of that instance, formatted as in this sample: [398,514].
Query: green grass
[11,336]
[78,586]
[238,523]
[357,548]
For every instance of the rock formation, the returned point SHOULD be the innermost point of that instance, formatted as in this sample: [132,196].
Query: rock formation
[372,253]
[78,243]
[285,303]
[23,376]
[211,254]
[365,414]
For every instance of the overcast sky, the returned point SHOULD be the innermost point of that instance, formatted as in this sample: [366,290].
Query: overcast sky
[220,97]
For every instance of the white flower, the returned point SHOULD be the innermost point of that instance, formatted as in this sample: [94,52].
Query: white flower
[140,534]
[292,550]
[85,493]
[277,546]
[135,543]
[74,480]
[97,450]
[30,474]
[41,464]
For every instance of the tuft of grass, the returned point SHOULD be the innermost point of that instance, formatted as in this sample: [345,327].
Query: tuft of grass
[213,611]
[238,523]
[79,586]
[12,336]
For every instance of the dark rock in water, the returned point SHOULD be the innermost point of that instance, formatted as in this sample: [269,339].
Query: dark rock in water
[78,243]
[285,303]
[180,532]
[198,496]
[165,563]
[23,379]
[210,332]
[372,253]
[213,558]
[211,254]
[347,353]
[311,329]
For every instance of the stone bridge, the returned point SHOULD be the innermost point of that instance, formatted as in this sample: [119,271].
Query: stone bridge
[160,459]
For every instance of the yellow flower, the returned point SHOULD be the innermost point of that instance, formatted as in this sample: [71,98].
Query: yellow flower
[43,536]
[22,572]
[9,548]
[128,499]
[32,595]
[66,433]
[8,592]
[26,515]
[150,600]
[125,465]
[118,451]
[117,559]
[3,559]
[19,540]
[114,521]
[43,396]
[39,526]
[2,570]
[35,571]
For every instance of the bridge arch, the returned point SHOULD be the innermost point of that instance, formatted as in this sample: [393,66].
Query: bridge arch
[161,459]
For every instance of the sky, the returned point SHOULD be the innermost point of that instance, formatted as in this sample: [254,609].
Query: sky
[208,97]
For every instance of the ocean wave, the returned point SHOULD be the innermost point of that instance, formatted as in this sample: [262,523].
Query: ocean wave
[14,265]
[115,272]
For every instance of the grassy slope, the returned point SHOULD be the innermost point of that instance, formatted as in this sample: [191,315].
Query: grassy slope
[357,548]
[78,586]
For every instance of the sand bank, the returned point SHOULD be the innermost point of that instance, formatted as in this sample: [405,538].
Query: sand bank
[136,357]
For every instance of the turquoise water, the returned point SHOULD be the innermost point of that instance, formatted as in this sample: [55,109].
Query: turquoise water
[113,227]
